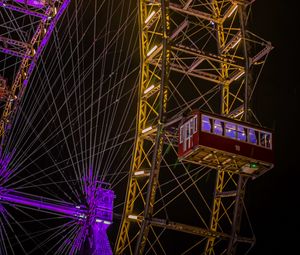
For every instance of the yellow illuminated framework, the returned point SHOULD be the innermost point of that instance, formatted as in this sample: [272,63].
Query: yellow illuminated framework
[194,55]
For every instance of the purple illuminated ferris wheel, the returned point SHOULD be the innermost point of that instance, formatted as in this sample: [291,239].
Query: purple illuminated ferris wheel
[54,60]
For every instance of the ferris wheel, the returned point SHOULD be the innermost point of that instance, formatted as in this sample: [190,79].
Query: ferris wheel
[106,152]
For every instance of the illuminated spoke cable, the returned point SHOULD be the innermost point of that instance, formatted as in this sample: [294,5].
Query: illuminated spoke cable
[59,119]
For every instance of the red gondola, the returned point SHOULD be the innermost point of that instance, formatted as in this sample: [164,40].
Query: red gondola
[226,144]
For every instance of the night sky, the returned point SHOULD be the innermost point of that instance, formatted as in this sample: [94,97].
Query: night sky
[271,199]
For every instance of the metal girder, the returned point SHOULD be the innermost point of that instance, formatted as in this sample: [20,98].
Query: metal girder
[176,226]
[265,51]
[16,53]
[16,48]
[11,42]
[242,2]
[193,72]
[232,43]
[207,56]
[193,230]
[190,11]
[237,112]
[187,4]
[23,9]
[13,197]
[186,228]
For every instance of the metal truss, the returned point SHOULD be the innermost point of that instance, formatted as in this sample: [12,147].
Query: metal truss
[194,54]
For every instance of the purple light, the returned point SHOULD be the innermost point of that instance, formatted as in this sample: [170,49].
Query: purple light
[15,53]
[102,201]
[5,172]
[96,213]
[94,218]
[79,239]
[101,245]
[2,210]
[34,3]
[15,199]
[22,10]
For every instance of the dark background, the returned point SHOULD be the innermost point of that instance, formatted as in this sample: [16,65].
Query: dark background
[272,199]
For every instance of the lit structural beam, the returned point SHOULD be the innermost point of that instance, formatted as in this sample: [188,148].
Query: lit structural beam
[195,230]
[102,213]
[15,43]
[192,72]
[35,3]
[13,52]
[15,48]
[242,2]
[265,51]
[208,56]
[38,42]
[192,12]
[185,9]
[229,12]
[98,216]
[237,112]
[232,43]
[187,4]
[8,196]
[162,223]
[176,226]
[21,9]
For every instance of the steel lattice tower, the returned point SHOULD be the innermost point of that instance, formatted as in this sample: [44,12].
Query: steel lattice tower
[194,54]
